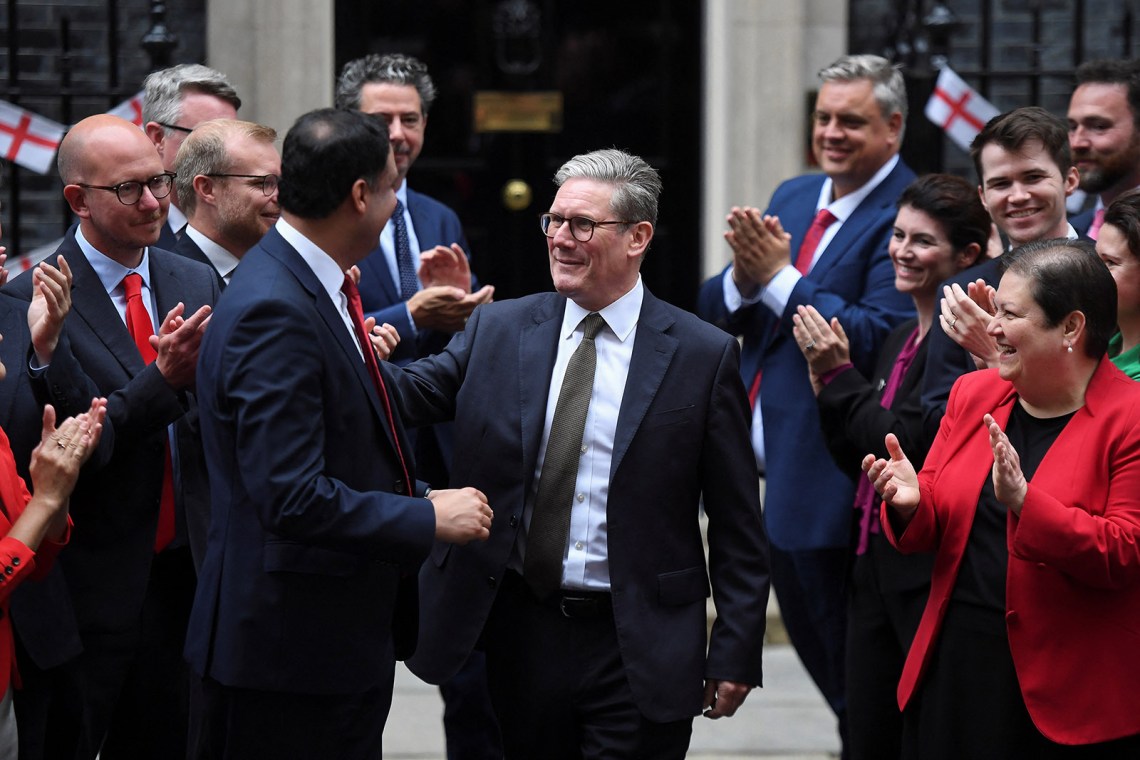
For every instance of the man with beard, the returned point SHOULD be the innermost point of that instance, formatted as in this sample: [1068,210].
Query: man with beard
[1104,134]
[227,180]
[177,100]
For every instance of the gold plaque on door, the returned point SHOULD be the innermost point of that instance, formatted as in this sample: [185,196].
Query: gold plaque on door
[518,111]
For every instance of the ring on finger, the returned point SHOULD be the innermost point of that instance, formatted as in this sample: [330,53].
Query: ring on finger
[809,345]
[953,321]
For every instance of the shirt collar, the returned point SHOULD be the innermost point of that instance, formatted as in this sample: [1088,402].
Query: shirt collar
[328,272]
[621,315]
[109,271]
[223,260]
[175,218]
[846,205]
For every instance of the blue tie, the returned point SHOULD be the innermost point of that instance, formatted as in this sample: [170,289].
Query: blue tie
[408,282]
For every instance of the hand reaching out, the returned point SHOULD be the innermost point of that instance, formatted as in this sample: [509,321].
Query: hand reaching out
[384,337]
[461,515]
[894,479]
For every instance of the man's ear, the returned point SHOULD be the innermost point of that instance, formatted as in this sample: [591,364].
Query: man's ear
[640,236]
[204,188]
[76,197]
[157,134]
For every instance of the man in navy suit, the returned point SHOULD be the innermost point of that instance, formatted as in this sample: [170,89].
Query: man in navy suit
[822,241]
[127,568]
[228,171]
[175,102]
[1104,134]
[425,311]
[317,516]
[597,645]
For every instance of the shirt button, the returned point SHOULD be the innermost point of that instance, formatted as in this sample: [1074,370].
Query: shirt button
[578,545]
[581,498]
[583,448]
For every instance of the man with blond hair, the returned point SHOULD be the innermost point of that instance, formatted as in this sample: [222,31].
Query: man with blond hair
[228,172]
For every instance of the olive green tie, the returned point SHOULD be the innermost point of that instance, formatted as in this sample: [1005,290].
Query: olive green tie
[550,521]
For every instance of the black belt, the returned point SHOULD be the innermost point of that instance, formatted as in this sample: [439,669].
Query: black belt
[572,603]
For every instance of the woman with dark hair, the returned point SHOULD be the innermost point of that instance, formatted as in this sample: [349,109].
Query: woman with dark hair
[1118,246]
[1030,497]
[940,229]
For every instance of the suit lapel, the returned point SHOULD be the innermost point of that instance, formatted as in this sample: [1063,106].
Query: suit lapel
[653,351]
[538,348]
[882,198]
[280,249]
[90,302]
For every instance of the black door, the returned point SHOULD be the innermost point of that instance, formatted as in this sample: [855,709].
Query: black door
[627,75]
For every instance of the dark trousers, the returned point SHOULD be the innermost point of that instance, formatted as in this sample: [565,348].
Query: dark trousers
[969,703]
[810,587]
[469,720]
[880,628]
[250,724]
[559,686]
[157,682]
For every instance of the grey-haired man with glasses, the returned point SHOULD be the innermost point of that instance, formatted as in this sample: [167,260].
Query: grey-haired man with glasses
[127,567]
[177,100]
[228,172]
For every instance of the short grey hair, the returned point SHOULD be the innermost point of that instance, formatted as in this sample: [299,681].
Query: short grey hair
[204,152]
[393,68]
[165,88]
[637,185]
[886,78]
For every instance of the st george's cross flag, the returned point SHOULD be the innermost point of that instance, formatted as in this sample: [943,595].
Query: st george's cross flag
[130,109]
[28,139]
[958,109]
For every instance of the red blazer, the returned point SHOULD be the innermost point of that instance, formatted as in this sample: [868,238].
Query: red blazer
[17,561]
[1073,585]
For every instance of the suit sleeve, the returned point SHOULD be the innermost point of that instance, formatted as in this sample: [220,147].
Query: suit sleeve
[1098,550]
[69,390]
[738,546]
[271,380]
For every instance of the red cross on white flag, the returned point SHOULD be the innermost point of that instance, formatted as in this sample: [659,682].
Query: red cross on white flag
[27,139]
[130,109]
[958,108]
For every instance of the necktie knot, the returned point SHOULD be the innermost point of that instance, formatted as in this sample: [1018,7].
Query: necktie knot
[399,208]
[132,285]
[592,325]
[348,287]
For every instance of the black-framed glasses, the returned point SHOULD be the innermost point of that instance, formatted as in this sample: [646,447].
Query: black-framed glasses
[175,127]
[130,192]
[581,227]
[268,182]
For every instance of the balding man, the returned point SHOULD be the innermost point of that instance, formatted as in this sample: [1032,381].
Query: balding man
[227,181]
[126,549]
[177,100]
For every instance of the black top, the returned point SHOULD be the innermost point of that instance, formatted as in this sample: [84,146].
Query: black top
[981,576]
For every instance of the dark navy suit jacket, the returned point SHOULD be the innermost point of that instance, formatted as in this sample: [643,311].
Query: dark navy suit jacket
[312,528]
[115,509]
[807,498]
[682,434]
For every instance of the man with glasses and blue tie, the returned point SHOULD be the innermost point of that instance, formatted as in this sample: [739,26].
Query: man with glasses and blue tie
[227,181]
[177,100]
[128,549]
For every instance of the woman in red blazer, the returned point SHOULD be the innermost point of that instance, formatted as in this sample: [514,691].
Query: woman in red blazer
[1030,497]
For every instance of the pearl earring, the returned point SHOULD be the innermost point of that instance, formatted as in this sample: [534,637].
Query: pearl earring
[1068,347]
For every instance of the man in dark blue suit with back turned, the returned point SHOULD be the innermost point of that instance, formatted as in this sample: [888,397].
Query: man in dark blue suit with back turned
[318,526]
[822,241]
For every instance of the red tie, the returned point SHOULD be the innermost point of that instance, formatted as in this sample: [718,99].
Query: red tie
[356,312]
[823,220]
[140,327]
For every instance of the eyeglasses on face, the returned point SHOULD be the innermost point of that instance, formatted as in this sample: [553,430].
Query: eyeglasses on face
[130,192]
[268,182]
[581,227]
[175,127]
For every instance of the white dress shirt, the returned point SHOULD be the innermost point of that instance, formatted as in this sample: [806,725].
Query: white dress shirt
[223,261]
[586,565]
